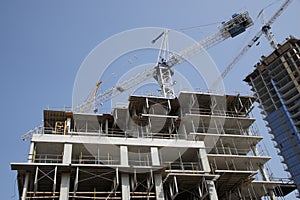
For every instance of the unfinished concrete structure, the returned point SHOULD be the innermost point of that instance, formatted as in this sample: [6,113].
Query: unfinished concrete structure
[196,146]
[276,83]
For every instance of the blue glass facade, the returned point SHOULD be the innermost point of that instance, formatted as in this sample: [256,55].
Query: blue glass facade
[287,139]
[276,83]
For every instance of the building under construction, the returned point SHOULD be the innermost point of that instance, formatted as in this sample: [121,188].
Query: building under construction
[195,146]
[276,83]
[188,146]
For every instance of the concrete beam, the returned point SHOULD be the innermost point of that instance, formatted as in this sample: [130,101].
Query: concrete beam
[148,142]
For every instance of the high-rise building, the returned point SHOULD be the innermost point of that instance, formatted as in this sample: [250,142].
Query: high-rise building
[276,83]
[196,146]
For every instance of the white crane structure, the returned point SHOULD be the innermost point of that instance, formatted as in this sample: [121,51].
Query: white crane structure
[266,30]
[162,72]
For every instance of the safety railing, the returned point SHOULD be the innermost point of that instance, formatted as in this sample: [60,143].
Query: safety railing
[96,160]
[225,113]
[143,132]
[232,165]
[144,162]
[47,158]
[236,151]
[190,166]
[221,130]
[228,151]
[112,133]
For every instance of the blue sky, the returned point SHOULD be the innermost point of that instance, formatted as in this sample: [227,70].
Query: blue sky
[43,43]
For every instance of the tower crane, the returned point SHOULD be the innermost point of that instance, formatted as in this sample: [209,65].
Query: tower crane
[162,72]
[264,30]
[90,101]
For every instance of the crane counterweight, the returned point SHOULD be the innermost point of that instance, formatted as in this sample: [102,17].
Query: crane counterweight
[237,25]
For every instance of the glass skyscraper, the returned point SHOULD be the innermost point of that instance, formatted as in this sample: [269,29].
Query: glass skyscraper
[276,83]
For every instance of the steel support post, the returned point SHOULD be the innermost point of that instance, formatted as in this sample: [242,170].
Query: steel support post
[25,187]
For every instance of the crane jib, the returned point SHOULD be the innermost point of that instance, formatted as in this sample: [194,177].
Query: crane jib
[233,27]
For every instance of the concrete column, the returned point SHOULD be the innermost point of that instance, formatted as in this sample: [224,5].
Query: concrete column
[31,153]
[67,157]
[125,186]
[65,186]
[212,190]
[26,181]
[124,176]
[155,156]
[159,191]
[68,125]
[65,177]
[124,155]
[204,160]
[25,187]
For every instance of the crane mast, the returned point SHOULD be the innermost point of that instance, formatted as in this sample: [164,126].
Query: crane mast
[162,72]
[266,29]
